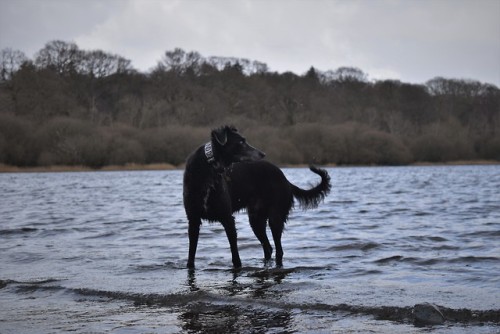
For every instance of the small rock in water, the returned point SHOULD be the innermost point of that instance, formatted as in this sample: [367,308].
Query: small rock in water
[428,314]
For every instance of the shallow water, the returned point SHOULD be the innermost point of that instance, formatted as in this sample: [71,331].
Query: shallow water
[106,252]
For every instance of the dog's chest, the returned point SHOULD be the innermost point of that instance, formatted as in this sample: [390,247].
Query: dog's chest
[216,199]
[209,190]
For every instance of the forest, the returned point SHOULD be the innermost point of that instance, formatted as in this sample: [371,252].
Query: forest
[69,106]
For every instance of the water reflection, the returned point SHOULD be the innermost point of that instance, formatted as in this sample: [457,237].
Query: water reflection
[228,318]
[222,315]
[191,280]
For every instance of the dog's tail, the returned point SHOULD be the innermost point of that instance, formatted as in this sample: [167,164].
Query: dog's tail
[310,199]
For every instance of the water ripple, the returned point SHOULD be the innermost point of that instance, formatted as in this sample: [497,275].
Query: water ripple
[384,239]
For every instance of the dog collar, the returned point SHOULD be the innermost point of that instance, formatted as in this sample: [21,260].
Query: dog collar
[209,153]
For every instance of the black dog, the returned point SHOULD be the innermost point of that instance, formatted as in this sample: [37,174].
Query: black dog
[227,175]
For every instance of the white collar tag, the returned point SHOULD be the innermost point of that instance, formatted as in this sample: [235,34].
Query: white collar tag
[209,153]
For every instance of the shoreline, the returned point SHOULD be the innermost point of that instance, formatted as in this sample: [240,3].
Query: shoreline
[166,166]
[79,168]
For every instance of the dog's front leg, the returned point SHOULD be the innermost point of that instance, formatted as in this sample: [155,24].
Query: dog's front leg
[230,228]
[194,233]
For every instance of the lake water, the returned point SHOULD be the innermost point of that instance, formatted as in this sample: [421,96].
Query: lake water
[106,252]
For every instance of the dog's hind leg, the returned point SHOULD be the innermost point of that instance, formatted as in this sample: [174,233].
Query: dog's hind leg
[277,225]
[230,228]
[258,224]
[194,233]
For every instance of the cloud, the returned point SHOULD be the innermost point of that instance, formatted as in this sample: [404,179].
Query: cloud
[288,35]
[414,40]
[29,24]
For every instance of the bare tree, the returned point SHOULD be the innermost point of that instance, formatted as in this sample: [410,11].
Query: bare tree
[349,74]
[180,62]
[100,64]
[63,57]
[10,62]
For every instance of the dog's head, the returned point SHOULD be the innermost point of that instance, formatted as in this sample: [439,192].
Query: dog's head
[230,147]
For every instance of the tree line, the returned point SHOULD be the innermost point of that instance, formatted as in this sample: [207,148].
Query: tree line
[69,106]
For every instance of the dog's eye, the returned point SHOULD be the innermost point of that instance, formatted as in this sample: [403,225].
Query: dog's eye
[242,142]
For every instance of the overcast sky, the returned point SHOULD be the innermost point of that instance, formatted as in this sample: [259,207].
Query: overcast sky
[409,40]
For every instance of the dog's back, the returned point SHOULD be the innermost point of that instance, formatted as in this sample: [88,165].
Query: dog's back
[260,186]
[262,183]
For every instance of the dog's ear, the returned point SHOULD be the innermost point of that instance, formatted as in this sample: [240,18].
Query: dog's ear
[220,135]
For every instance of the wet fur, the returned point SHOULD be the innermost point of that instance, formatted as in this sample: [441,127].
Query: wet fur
[238,179]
